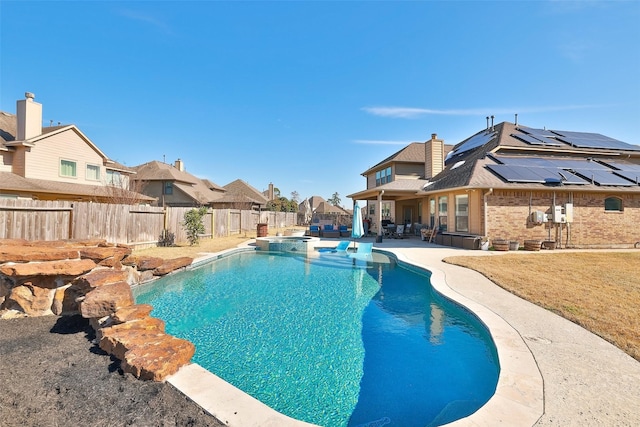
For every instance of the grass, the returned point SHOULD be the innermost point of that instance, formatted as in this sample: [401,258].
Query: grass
[599,291]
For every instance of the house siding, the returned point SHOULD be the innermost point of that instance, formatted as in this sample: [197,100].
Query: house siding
[43,160]
[508,213]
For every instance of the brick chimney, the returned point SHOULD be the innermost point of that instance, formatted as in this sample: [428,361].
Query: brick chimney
[434,156]
[29,115]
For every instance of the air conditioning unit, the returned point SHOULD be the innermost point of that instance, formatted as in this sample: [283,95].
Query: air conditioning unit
[537,217]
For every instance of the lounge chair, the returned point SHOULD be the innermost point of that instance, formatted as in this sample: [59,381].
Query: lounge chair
[342,247]
[314,230]
[364,252]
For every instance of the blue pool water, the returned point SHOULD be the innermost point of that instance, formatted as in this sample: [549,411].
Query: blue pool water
[328,342]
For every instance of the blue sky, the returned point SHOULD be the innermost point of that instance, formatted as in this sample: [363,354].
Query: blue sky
[310,94]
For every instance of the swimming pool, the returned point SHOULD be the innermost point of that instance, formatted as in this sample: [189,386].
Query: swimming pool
[329,342]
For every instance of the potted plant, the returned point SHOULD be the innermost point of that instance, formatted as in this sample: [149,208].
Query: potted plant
[484,243]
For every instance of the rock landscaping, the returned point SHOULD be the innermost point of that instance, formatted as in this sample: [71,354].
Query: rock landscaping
[93,278]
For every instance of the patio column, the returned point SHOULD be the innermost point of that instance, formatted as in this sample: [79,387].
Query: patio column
[379,238]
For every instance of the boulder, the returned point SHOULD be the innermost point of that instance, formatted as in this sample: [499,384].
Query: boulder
[64,301]
[32,300]
[35,253]
[106,300]
[116,339]
[143,262]
[134,312]
[48,268]
[156,360]
[172,264]
[100,253]
[99,277]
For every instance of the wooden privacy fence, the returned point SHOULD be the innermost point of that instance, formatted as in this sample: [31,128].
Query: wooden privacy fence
[134,225]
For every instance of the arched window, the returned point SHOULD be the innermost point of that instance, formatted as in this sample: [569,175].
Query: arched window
[613,204]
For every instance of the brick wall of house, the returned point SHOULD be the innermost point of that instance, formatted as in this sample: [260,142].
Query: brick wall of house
[508,218]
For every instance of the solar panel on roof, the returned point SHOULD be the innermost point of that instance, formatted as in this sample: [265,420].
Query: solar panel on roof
[536,132]
[514,173]
[602,177]
[633,176]
[625,166]
[593,140]
[529,139]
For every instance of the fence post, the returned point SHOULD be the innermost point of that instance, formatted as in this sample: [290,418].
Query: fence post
[213,223]
[70,233]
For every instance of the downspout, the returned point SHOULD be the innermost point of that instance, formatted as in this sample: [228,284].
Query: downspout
[484,196]
[379,238]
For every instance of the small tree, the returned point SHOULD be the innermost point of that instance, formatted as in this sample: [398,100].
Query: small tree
[194,225]
[335,199]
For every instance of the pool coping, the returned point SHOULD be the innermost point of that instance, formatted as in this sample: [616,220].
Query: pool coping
[518,399]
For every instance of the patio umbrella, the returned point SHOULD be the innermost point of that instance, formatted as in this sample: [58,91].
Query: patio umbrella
[307,211]
[357,229]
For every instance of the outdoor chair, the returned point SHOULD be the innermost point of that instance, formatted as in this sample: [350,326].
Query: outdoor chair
[314,231]
[342,247]
[344,231]
[399,233]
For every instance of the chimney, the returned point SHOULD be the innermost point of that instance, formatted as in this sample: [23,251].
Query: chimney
[29,115]
[433,156]
[179,165]
[492,129]
[271,194]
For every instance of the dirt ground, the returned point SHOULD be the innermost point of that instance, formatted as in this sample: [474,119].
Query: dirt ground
[52,375]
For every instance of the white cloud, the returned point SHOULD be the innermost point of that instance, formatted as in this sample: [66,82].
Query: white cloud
[380,142]
[410,113]
[136,16]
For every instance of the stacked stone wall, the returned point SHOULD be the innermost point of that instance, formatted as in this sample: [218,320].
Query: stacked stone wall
[94,278]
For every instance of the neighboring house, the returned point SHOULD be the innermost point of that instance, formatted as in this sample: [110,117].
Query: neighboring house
[56,162]
[171,185]
[241,195]
[517,183]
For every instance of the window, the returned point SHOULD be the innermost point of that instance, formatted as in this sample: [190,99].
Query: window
[167,187]
[383,176]
[432,213]
[442,213]
[114,178]
[93,172]
[613,204]
[67,168]
[386,210]
[372,209]
[462,212]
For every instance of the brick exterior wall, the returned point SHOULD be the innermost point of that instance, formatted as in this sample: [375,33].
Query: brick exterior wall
[592,227]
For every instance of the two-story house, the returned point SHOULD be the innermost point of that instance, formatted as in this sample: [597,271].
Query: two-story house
[392,184]
[512,182]
[56,162]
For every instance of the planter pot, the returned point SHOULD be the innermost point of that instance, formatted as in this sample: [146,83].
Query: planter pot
[514,245]
[549,244]
[532,245]
[484,246]
[501,245]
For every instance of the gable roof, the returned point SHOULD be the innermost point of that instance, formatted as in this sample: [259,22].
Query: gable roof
[201,191]
[241,187]
[412,153]
[159,171]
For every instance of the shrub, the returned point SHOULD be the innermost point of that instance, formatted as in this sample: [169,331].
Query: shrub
[167,238]
[193,224]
